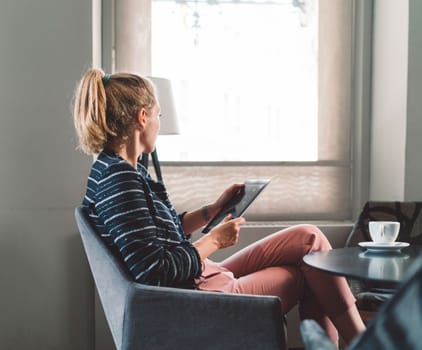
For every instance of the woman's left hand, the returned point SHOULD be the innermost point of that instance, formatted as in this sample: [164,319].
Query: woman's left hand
[229,193]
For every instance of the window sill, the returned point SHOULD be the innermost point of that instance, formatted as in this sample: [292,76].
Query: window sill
[272,224]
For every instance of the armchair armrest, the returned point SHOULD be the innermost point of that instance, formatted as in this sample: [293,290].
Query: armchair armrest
[201,320]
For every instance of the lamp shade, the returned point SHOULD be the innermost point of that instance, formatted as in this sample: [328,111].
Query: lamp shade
[168,123]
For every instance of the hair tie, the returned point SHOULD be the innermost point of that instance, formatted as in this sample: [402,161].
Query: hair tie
[106,78]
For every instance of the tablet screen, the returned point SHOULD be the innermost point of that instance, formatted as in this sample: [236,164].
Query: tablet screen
[239,203]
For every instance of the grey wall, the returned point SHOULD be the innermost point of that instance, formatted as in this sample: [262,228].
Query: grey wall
[413,186]
[46,291]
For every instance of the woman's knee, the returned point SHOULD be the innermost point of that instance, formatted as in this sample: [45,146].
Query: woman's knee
[315,237]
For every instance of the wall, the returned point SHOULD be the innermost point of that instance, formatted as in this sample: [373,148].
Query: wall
[396,163]
[389,104]
[413,187]
[46,289]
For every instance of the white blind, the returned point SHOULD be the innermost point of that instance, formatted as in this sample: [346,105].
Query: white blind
[296,192]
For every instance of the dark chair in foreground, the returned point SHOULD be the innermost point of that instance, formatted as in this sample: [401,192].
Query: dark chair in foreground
[370,296]
[398,323]
[149,317]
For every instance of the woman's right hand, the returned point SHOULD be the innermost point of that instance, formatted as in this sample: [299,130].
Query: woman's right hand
[227,234]
[222,236]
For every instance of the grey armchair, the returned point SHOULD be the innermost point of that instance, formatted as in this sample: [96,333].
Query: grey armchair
[149,317]
[398,323]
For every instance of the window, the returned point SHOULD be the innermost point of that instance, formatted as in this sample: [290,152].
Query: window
[247,69]
[264,89]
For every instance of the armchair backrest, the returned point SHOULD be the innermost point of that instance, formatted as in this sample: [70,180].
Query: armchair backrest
[111,279]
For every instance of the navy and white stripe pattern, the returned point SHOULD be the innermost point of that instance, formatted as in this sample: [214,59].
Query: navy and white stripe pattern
[132,212]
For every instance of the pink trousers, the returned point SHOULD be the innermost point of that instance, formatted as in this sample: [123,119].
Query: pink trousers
[274,266]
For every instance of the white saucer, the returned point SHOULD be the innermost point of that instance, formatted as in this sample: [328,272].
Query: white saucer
[383,247]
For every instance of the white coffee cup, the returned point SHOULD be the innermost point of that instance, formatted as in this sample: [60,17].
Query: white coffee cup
[384,231]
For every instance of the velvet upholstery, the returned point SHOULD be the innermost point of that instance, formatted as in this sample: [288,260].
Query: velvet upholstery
[398,323]
[150,317]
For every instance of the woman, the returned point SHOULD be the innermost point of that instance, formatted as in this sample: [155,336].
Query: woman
[117,117]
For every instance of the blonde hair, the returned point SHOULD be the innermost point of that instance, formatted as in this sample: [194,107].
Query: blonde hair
[105,107]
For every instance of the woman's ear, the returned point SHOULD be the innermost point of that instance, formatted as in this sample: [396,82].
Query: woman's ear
[141,118]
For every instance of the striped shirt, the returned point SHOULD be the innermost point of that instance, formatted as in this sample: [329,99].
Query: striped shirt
[133,213]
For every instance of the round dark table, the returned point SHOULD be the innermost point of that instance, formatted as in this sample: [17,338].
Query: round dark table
[360,264]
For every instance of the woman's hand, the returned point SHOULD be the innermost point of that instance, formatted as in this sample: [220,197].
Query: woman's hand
[227,234]
[231,192]
[196,219]
[222,236]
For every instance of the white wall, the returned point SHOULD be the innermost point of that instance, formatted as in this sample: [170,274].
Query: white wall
[46,289]
[396,142]
[389,100]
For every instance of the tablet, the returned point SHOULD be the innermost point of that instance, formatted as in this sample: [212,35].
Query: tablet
[238,204]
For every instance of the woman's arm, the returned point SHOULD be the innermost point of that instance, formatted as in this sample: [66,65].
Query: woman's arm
[194,220]
[154,255]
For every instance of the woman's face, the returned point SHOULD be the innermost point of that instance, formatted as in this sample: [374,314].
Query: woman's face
[151,130]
